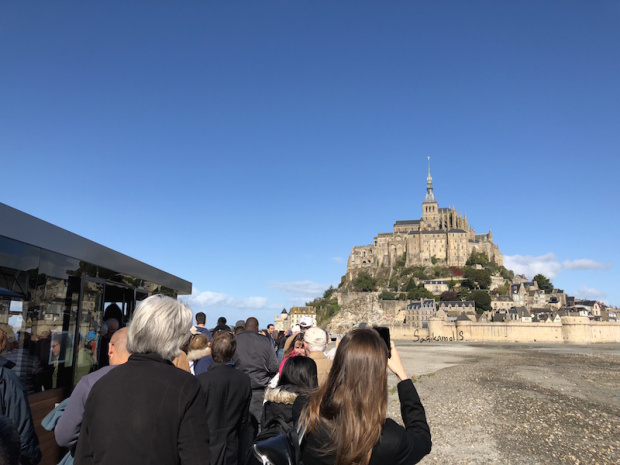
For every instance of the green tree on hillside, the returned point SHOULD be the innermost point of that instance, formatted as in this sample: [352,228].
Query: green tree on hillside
[482,301]
[329,292]
[501,290]
[543,283]
[326,306]
[419,272]
[477,258]
[483,278]
[410,285]
[450,296]
[420,292]
[364,283]
[387,295]
[506,273]
[476,279]
[468,283]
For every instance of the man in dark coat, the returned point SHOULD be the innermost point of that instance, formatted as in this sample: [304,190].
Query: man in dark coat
[67,429]
[228,395]
[10,447]
[112,324]
[221,325]
[14,405]
[255,357]
[201,321]
[147,410]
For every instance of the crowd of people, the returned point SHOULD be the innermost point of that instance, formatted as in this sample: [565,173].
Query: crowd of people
[176,392]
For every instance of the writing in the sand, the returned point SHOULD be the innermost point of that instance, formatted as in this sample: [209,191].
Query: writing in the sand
[431,337]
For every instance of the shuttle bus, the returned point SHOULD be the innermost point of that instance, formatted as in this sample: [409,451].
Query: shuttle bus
[58,292]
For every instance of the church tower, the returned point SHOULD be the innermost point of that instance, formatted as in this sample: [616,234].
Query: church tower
[430,209]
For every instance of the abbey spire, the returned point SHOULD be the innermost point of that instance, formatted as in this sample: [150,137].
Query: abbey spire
[430,197]
[430,209]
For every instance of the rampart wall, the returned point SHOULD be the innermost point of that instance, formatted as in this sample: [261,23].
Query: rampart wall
[571,330]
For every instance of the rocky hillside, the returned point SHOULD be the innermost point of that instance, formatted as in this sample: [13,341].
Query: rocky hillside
[376,296]
[363,307]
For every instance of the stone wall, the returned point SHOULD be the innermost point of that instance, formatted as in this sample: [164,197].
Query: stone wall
[364,307]
[572,330]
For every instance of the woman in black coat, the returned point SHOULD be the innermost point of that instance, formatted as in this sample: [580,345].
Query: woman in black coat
[298,379]
[345,420]
[228,395]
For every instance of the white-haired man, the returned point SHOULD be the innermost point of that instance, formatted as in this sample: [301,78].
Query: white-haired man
[316,342]
[147,410]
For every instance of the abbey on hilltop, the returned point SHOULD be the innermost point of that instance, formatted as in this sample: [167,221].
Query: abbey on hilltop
[441,237]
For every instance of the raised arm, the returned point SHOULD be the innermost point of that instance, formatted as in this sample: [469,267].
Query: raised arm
[417,442]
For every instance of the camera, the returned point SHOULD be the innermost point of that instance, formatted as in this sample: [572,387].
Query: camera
[384,332]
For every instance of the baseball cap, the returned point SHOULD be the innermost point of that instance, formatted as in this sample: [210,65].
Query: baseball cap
[315,337]
[305,322]
[240,324]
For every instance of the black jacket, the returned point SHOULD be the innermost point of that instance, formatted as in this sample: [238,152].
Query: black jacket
[14,405]
[278,405]
[397,445]
[228,395]
[256,357]
[145,411]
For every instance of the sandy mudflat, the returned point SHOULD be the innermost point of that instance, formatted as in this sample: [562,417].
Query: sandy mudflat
[517,403]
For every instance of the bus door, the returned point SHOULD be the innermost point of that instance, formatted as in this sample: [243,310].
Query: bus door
[88,332]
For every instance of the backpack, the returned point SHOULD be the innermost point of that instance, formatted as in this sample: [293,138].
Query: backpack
[274,427]
[283,449]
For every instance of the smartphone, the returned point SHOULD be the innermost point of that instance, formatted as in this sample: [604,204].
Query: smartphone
[384,332]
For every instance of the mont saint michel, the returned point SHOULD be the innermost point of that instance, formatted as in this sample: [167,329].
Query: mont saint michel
[434,278]
[441,236]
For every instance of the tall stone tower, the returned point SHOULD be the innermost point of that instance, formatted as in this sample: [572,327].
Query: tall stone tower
[430,209]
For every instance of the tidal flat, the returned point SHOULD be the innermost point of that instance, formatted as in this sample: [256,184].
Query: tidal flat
[516,403]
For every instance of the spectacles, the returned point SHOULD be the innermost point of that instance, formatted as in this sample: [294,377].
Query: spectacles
[55,345]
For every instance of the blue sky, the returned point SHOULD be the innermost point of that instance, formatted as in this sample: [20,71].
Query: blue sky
[248,146]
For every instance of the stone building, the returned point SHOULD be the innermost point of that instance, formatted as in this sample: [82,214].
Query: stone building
[502,302]
[441,236]
[436,286]
[295,314]
[281,321]
[286,320]
[419,312]
[457,306]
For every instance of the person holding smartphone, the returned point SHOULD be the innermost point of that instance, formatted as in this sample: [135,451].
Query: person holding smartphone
[345,421]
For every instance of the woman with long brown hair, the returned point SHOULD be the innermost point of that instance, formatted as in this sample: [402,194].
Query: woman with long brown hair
[345,420]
